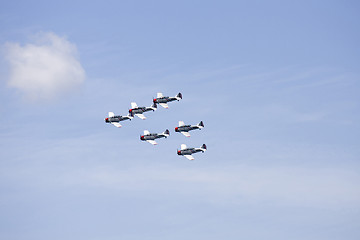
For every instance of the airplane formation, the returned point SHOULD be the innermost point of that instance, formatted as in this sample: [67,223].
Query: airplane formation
[150,137]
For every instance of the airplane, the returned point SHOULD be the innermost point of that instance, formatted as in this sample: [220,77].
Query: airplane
[138,111]
[162,101]
[114,120]
[186,152]
[184,129]
[150,137]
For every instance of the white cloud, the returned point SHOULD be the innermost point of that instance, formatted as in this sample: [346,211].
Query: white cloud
[45,69]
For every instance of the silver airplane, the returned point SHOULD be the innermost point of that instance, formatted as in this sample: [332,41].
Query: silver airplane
[138,111]
[184,129]
[114,120]
[150,137]
[162,101]
[186,152]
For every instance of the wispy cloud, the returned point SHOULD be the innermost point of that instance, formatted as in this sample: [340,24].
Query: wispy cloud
[44,69]
[327,188]
[290,114]
[240,184]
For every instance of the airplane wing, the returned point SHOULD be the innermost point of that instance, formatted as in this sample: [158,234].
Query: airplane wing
[111,114]
[146,132]
[164,105]
[183,146]
[140,116]
[134,105]
[189,157]
[181,123]
[116,124]
[159,95]
[186,134]
[152,142]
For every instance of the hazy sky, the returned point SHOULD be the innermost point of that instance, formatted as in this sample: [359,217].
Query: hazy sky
[276,83]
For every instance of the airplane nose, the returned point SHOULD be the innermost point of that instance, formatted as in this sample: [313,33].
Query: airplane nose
[106,119]
[178,152]
[154,100]
[176,129]
[142,137]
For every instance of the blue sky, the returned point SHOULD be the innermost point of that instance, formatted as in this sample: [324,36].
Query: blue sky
[276,84]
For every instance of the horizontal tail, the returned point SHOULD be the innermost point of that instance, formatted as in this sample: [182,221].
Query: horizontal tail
[153,107]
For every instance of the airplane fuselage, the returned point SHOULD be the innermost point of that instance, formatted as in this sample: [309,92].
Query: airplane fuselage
[185,128]
[189,151]
[164,99]
[116,119]
[151,136]
[140,110]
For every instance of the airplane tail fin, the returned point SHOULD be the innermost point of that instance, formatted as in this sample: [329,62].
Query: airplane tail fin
[179,96]
[130,116]
[154,106]
[166,133]
[201,124]
[203,148]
